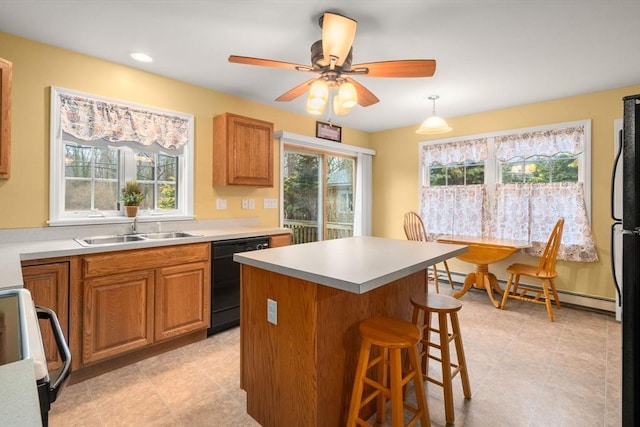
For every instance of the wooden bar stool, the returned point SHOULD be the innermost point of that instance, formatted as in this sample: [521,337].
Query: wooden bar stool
[445,307]
[391,336]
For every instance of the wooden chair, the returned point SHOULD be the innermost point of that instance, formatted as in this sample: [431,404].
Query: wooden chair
[545,271]
[414,230]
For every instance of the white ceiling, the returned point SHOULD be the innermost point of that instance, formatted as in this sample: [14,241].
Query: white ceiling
[490,54]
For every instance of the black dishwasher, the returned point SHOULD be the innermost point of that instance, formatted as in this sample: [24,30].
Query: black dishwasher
[225,281]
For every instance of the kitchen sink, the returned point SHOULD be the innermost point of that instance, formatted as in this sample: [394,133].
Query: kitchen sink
[125,238]
[167,235]
[109,240]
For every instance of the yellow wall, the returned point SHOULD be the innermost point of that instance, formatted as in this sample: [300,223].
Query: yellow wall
[395,176]
[24,198]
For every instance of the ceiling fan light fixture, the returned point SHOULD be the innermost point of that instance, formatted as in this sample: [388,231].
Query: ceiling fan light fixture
[434,125]
[338,33]
[318,95]
[347,95]
[340,110]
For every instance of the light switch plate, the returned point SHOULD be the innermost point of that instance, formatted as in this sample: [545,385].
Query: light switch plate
[221,204]
[270,203]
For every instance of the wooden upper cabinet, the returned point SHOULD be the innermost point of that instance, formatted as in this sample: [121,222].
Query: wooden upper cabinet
[242,151]
[5,118]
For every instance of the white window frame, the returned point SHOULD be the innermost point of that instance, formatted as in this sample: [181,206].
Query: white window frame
[492,167]
[59,217]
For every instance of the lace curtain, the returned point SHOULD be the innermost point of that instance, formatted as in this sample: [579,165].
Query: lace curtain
[529,212]
[542,143]
[456,209]
[91,119]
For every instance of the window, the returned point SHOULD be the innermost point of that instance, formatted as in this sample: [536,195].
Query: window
[98,144]
[325,188]
[512,185]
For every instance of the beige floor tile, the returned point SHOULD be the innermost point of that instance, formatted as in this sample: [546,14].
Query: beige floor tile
[523,370]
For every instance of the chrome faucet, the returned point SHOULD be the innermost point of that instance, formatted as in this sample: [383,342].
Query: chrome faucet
[134,225]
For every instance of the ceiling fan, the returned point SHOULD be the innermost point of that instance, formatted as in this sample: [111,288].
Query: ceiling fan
[331,58]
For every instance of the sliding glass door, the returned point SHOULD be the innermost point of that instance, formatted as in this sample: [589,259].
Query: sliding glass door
[318,195]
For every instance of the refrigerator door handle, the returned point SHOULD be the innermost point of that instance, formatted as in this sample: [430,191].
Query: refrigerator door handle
[613,178]
[613,260]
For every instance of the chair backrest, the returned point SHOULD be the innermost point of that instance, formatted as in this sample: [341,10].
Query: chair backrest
[414,227]
[547,264]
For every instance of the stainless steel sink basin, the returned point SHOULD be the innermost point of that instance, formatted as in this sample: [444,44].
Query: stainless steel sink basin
[109,240]
[124,238]
[167,235]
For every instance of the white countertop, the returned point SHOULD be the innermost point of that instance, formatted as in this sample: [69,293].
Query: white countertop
[12,253]
[19,402]
[354,264]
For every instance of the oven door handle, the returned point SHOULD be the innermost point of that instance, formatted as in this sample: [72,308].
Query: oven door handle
[61,376]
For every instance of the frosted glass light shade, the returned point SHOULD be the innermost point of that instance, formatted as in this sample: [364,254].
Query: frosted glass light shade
[434,125]
[347,95]
[339,109]
[314,107]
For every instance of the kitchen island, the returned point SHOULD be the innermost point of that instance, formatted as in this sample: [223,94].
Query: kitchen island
[298,368]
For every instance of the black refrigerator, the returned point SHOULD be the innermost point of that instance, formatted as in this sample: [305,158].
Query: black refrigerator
[629,284]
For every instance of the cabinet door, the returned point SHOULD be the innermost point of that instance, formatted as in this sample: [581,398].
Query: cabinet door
[49,287]
[280,240]
[5,118]
[117,314]
[183,300]
[242,151]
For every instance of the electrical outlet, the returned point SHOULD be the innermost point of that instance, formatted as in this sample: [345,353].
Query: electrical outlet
[221,204]
[272,311]
[252,204]
[245,203]
[270,203]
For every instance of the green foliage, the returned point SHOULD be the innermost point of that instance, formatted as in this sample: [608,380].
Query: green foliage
[167,196]
[132,194]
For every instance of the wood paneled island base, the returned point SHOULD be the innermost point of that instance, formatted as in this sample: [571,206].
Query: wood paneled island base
[300,372]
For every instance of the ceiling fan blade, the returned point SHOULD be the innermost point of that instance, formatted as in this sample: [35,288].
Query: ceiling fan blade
[268,63]
[338,33]
[292,94]
[365,96]
[400,68]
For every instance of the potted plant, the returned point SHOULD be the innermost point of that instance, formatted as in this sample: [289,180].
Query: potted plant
[132,196]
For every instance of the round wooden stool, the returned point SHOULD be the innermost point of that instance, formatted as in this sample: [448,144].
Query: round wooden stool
[391,336]
[445,307]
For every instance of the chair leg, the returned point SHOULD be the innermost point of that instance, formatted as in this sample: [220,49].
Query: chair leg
[547,300]
[358,384]
[555,292]
[435,279]
[462,361]
[418,383]
[505,295]
[446,368]
[397,412]
[446,267]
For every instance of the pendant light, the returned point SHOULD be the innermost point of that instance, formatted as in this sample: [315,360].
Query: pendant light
[434,125]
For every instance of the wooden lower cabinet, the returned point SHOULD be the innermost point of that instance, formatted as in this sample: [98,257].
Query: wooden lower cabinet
[49,287]
[134,299]
[280,240]
[118,314]
[183,300]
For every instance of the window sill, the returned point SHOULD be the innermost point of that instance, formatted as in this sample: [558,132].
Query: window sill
[116,220]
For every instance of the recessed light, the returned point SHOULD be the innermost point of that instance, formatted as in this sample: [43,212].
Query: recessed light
[142,57]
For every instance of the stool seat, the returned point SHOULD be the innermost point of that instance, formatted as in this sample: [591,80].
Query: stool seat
[389,332]
[446,309]
[390,337]
[439,303]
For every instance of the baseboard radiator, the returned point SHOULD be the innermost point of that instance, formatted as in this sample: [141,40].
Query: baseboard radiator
[570,298]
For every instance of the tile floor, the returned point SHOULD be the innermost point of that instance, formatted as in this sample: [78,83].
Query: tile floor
[524,371]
